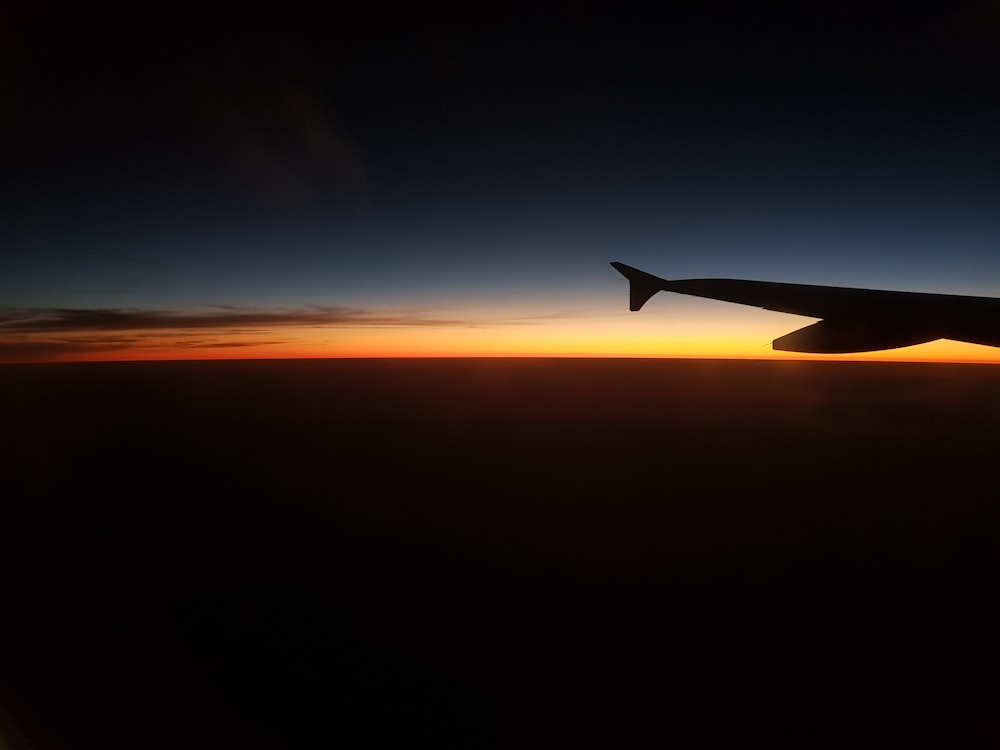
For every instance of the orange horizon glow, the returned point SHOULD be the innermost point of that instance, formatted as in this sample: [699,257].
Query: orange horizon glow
[565,339]
[669,328]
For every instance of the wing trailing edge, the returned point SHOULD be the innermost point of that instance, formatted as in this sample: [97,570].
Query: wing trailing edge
[846,337]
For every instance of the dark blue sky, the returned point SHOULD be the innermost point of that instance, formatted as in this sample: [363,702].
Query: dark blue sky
[495,161]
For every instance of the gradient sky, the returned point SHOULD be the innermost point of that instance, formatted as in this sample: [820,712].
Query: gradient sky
[367,184]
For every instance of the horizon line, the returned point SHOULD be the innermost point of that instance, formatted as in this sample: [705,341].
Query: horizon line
[688,357]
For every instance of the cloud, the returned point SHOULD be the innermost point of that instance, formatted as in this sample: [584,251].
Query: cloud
[18,350]
[32,334]
[226,318]
[31,348]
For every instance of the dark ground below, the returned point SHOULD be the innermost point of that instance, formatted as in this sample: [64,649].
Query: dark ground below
[500,553]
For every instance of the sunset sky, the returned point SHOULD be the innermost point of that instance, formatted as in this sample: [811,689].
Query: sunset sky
[354,184]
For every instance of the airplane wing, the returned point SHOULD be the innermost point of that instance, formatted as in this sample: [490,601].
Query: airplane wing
[851,320]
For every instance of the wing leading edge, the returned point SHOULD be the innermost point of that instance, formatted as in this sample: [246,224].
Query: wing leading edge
[851,320]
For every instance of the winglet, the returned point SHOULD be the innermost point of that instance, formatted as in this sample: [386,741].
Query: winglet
[641,285]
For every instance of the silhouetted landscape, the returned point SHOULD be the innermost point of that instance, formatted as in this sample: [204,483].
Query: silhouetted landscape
[500,553]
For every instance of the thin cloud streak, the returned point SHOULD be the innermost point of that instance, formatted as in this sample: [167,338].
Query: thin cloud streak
[28,347]
[34,320]
[34,334]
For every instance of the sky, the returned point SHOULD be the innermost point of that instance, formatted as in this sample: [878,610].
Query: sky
[288,181]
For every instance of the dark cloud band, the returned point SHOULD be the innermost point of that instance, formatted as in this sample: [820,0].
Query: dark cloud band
[229,318]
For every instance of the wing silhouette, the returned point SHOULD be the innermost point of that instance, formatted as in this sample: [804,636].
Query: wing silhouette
[851,320]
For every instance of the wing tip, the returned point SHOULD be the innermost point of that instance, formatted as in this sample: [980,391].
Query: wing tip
[641,285]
